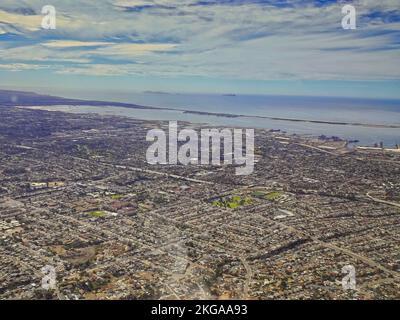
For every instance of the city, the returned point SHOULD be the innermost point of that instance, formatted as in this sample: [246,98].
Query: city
[78,195]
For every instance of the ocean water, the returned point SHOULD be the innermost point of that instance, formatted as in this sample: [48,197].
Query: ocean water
[349,110]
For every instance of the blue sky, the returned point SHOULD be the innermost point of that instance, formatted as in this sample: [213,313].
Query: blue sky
[219,46]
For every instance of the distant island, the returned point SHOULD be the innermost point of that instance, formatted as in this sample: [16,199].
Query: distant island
[157,92]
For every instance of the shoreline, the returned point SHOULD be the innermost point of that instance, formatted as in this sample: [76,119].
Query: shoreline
[9,98]
[228,115]
[216,114]
[347,141]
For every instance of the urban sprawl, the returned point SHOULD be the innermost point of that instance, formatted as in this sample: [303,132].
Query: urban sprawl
[77,194]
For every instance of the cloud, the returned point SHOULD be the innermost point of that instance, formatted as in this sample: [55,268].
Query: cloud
[129,50]
[258,40]
[28,23]
[72,44]
[15,67]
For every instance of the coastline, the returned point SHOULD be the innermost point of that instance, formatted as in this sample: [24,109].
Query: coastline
[215,114]
[227,115]
[348,143]
[31,99]
[368,133]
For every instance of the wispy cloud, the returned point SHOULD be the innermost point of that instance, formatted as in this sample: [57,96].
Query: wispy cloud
[15,67]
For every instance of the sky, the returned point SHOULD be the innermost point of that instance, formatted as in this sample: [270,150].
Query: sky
[283,47]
